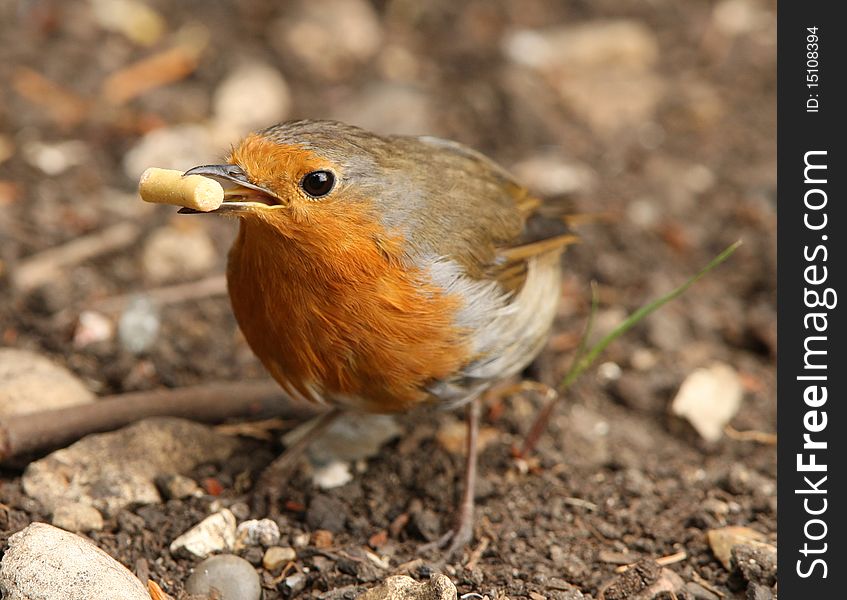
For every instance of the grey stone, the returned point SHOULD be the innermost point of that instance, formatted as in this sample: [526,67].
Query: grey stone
[402,587]
[227,576]
[295,583]
[112,470]
[326,513]
[757,562]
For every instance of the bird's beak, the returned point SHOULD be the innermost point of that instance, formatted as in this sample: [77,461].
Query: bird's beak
[240,194]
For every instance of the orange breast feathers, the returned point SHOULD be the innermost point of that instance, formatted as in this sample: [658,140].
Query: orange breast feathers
[335,316]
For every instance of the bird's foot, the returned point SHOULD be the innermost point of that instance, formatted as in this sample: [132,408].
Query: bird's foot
[453,542]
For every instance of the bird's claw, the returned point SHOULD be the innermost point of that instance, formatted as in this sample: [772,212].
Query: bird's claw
[453,542]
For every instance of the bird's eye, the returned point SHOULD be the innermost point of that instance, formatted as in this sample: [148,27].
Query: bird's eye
[318,183]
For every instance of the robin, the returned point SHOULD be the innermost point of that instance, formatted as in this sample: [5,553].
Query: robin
[382,273]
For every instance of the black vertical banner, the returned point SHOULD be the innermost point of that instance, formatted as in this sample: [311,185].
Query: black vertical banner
[812,364]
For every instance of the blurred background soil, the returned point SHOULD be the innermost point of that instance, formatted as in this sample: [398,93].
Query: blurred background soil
[654,121]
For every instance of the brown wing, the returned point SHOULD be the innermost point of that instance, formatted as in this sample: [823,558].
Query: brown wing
[499,224]
[541,236]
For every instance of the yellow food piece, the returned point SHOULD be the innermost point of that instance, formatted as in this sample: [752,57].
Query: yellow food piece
[167,186]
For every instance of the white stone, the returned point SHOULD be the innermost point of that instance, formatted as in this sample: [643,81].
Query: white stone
[92,327]
[708,399]
[332,475]
[257,532]
[350,437]
[215,533]
[136,20]
[43,562]
[138,325]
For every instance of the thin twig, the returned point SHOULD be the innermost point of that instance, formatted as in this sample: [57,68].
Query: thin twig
[751,435]
[214,285]
[210,403]
[49,264]
[477,553]
[154,71]
[65,107]
[662,561]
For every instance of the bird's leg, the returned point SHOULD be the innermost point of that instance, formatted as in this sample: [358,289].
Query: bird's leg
[268,488]
[462,531]
[539,425]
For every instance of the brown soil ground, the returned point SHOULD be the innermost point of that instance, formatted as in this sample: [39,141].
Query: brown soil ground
[616,477]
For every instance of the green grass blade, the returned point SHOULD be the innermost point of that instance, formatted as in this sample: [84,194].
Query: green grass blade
[579,366]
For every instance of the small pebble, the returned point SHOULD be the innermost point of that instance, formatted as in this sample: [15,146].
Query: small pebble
[294,584]
[228,576]
[326,513]
[277,557]
[215,533]
[709,398]
[92,327]
[322,538]
[178,147]
[255,532]
[253,555]
[332,475]
[77,517]
[756,562]
[177,487]
[138,326]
